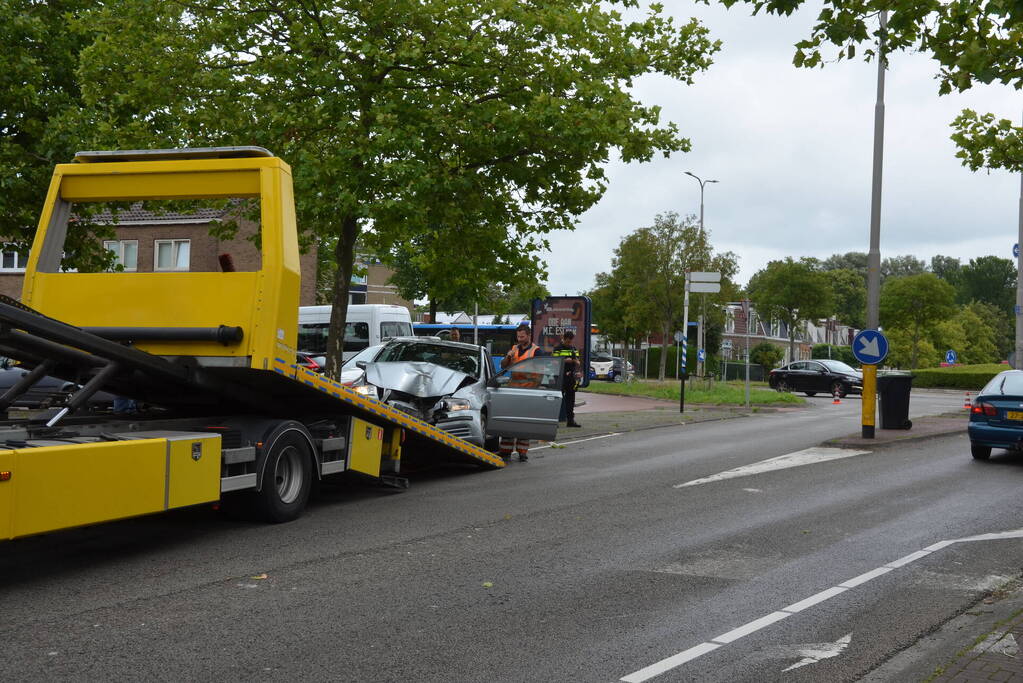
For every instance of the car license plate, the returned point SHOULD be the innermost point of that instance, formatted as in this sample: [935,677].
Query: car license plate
[1014,415]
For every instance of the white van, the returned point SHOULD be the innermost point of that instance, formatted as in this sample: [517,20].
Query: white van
[366,325]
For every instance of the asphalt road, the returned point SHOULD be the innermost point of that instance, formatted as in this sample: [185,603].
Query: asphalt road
[588,563]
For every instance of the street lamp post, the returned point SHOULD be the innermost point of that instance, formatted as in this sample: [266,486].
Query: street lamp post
[699,329]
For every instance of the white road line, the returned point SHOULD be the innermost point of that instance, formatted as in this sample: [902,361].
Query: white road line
[669,663]
[808,456]
[569,443]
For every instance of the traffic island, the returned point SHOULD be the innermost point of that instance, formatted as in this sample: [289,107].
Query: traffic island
[928,427]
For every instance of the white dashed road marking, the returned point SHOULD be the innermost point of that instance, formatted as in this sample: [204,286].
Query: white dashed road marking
[569,443]
[808,456]
[669,663]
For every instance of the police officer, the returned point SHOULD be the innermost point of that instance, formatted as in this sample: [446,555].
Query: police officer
[573,373]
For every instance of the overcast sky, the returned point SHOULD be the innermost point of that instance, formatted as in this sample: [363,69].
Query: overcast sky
[792,151]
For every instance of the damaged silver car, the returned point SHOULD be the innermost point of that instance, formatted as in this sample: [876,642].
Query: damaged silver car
[454,386]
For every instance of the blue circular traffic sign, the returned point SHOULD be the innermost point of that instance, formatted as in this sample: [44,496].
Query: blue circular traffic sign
[870,347]
[1015,250]
[951,357]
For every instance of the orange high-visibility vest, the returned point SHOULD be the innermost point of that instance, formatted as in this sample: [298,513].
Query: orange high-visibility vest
[522,379]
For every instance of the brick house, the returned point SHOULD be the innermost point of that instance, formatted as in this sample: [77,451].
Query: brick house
[733,341]
[148,242]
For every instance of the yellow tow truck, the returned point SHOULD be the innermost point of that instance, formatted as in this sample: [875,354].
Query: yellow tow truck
[215,351]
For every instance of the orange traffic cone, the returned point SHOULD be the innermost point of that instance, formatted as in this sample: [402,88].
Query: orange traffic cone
[836,400]
[966,401]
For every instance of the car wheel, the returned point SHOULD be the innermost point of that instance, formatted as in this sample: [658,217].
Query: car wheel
[492,443]
[782,385]
[838,389]
[810,393]
[980,452]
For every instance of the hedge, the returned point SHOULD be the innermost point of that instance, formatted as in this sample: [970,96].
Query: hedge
[939,377]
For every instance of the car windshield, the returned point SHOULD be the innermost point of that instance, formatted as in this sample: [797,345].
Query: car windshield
[1007,383]
[462,360]
[837,366]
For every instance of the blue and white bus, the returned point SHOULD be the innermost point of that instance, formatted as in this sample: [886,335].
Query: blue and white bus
[498,339]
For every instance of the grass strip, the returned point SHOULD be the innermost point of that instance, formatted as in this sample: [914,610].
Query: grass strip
[721,393]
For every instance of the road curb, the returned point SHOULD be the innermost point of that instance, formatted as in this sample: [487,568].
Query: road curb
[932,427]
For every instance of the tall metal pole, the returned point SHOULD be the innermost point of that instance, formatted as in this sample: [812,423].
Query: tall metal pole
[1019,283]
[685,347]
[748,316]
[699,328]
[869,401]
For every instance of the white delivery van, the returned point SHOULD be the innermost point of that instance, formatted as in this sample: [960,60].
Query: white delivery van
[366,325]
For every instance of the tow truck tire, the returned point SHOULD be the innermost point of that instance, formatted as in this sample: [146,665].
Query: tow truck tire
[287,477]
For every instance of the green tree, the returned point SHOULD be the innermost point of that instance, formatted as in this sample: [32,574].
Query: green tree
[793,293]
[901,266]
[947,268]
[851,260]
[975,42]
[39,123]
[400,116]
[980,340]
[850,296]
[766,355]
[903,353]
[916,303]
[989,279]
[1000,322]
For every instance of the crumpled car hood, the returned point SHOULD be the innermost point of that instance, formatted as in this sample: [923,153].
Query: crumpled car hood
[419,379]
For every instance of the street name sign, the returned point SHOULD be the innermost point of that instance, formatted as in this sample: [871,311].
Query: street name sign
[870,347]
[705,287]
[704,277]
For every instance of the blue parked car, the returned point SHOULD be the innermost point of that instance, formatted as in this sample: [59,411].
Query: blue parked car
[996,417]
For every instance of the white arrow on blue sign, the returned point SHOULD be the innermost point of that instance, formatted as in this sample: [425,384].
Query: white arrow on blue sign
[1015,250]
[870,347]
[701,355]
[951,357]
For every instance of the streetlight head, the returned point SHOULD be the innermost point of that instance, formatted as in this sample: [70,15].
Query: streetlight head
[691,173]
[711,181]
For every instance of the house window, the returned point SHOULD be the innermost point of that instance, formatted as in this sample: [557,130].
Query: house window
[126,253]
[12,261]
[172,254]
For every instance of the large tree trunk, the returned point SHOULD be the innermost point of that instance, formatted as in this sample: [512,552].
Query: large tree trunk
[433,310]
[664,353]
[792,343]
[344,253]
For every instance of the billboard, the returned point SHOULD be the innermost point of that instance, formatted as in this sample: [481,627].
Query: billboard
[550,318]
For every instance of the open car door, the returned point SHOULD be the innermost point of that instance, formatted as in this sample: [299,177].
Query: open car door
[524,400]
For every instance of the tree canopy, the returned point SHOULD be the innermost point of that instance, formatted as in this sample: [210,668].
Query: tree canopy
[400,118]
[916,304]
[793,292]
[645,289]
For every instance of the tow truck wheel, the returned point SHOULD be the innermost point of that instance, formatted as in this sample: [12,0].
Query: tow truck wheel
[287,478]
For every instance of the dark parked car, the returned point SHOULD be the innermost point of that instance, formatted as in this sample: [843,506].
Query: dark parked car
[817,377]
[46,392]
[996,416]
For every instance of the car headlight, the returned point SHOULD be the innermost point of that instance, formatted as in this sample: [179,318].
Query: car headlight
[455,404]
[366,389]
